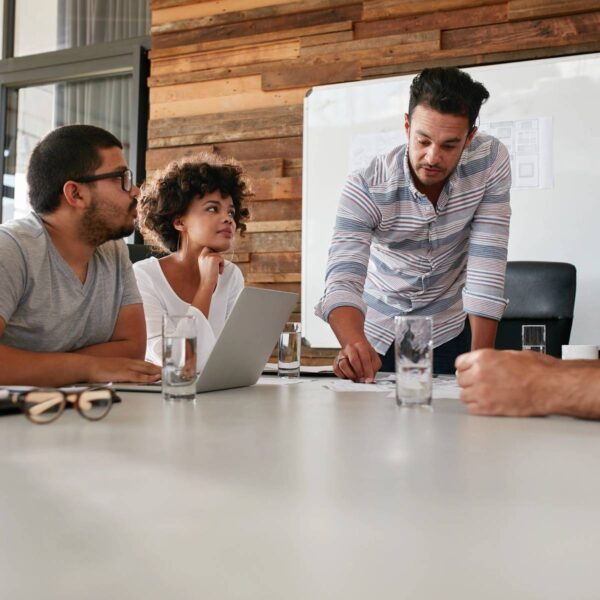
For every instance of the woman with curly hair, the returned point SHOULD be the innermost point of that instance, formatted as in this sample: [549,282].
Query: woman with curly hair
[191,209]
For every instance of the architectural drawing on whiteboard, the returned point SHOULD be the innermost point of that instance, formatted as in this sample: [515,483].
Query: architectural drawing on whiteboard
[529,143]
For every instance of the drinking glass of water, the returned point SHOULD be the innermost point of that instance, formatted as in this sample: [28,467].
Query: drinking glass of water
[414,360]
[534,338]
[179,370]
[290,342]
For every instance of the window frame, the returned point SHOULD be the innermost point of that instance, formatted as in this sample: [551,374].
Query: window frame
[81,63]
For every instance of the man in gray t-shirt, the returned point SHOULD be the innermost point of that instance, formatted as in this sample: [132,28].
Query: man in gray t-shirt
[70,309]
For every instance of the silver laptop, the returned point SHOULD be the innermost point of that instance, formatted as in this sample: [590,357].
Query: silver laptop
[246,342]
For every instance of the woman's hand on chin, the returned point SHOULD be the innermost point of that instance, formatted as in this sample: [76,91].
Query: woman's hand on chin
[210,265]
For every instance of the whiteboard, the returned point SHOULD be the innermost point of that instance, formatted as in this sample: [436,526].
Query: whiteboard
[555,206]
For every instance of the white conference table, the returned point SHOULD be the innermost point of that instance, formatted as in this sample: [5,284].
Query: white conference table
[299,492]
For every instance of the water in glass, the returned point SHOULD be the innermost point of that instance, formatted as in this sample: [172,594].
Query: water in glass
[179,367]
[414,360]
[533,337]
[413,383]
[535,347]
[290,342]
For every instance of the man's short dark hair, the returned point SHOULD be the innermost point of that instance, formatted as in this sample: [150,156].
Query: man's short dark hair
[69,152]
[448,90]
[169,193]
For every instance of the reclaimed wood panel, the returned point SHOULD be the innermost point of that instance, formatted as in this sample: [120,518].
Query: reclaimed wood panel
[239,257]
[280,188]
[454,19]
[464,58]
[532,53]
[247,150]
[264,12]
[255,15]
[245,28]
[326,38]
[367,49]
[209,74]
[229,103]
[263,123]
[260,226]
[263,168]
[194,10]
[416,62]
[384,54]
[288,75]
[160,4]
[384,9]
[288,241]
[205,89]
[272,36]
[331,67]
[275,210]
[292,167]
[534,9]
[243,55]
[263,131]
[525,34]
[276,262]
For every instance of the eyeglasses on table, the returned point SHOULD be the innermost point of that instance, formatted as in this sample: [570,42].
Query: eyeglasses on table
[44,405]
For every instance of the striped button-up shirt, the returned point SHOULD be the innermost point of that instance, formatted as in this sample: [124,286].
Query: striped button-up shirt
[394,253]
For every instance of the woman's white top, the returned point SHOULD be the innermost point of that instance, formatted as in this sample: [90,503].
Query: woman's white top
[159,299]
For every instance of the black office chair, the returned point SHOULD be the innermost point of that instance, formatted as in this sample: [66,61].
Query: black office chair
[141,251]
[539,293]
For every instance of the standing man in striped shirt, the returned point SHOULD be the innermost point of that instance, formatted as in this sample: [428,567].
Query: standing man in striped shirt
[422,230]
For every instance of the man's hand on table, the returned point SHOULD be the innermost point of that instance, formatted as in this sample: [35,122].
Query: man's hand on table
[357,361]
[505,382]
[122,370]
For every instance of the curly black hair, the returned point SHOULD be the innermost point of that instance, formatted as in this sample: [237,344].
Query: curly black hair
[170,191]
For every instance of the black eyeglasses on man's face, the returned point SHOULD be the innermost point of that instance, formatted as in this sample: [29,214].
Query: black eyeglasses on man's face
[126,177]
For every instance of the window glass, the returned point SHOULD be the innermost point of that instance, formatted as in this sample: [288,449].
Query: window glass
[1,27]
[43,26]
[34,111]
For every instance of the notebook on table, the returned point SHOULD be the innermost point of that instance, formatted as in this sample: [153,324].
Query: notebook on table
[244,345]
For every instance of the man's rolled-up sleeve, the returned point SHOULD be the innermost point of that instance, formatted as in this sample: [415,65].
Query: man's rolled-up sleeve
[357,217]
[483,294]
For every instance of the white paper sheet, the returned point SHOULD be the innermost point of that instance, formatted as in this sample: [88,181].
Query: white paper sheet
[270,380]
[529,143]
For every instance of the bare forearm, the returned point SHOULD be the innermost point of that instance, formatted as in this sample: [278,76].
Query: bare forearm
[357,360]
[571,390]
[483,332]
[202,299]
[19,367]
[348,324]
[121,348]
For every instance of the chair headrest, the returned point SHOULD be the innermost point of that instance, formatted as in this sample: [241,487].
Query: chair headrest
[540,290]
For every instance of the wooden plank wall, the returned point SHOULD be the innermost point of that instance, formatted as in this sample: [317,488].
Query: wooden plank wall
[230,76]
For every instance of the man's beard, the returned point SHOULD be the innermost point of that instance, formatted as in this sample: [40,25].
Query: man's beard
[96,231]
